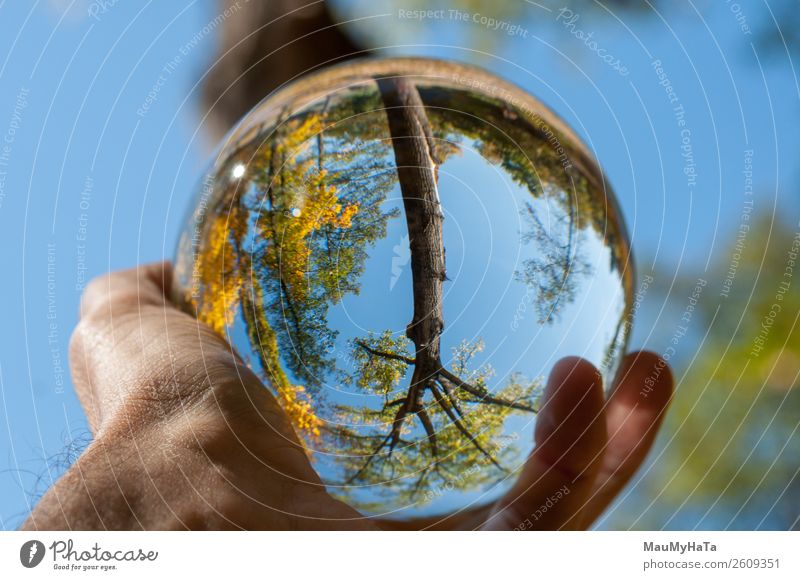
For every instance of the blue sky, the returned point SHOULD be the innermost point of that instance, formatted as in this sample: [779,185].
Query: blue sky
[97,175]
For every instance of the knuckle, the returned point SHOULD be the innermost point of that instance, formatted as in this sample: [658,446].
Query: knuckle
[93,291]
[97,284]
[76,339]
[85,339]
[119,292]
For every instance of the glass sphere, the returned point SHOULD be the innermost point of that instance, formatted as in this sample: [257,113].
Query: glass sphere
[402,249]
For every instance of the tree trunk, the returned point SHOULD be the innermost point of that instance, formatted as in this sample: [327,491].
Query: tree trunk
[417,171]
[415,156]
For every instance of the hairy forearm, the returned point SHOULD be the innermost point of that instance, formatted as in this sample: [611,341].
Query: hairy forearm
[117,484]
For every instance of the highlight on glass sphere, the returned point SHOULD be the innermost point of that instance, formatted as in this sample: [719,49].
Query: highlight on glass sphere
[402,249]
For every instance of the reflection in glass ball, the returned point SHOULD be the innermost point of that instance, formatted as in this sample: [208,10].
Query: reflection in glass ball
[401,249]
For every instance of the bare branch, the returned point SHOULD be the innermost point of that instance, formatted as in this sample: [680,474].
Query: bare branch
[393,438]
[450,396]
[383,354]
[372,456]
[431,432]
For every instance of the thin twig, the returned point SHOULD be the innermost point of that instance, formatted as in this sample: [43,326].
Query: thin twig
[484,395]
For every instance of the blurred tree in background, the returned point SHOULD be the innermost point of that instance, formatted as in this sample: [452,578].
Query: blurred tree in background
[266,44]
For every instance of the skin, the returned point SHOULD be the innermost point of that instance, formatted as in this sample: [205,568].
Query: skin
[187,437]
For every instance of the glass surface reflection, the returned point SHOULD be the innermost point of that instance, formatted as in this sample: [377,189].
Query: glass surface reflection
[402,249]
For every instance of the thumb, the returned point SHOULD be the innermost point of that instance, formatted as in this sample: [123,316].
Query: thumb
[137,360]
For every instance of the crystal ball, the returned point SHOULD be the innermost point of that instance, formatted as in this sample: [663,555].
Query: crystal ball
[402,249]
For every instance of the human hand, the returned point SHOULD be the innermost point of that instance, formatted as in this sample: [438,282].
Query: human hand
[187,437]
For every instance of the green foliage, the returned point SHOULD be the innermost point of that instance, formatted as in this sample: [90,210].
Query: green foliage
[313,225]
[375,372]
[733,437]
[558,265]
[447,453]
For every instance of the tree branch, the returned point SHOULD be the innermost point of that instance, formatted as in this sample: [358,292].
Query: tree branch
[464,431]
